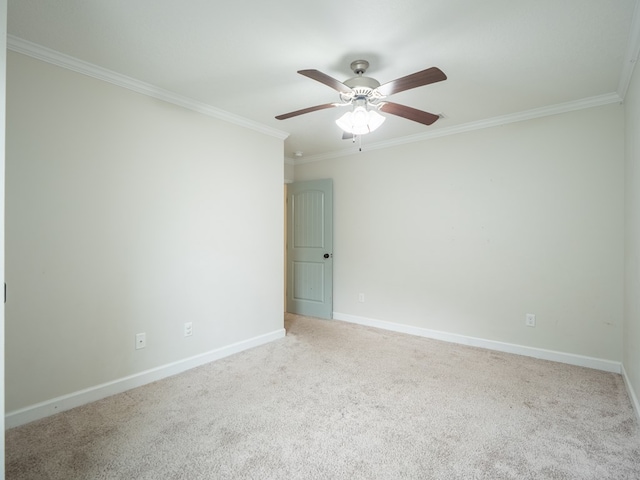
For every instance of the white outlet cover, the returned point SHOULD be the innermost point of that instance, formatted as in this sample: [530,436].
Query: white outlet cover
[530,320]
[141,340]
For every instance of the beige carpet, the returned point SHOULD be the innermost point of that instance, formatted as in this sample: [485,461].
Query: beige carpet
[339,401]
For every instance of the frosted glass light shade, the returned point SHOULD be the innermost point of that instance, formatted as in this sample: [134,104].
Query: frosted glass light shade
[360,121]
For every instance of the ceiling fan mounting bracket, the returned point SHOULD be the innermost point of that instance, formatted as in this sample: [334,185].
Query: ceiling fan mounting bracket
[359,66]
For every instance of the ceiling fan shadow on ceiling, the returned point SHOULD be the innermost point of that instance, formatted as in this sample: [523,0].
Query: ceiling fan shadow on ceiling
[366,97]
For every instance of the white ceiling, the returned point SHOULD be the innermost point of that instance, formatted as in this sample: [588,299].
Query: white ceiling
[502,57]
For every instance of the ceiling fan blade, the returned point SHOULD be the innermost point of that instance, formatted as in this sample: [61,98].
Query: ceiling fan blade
[284,116]
[326,79]
[409,113]
[418,79]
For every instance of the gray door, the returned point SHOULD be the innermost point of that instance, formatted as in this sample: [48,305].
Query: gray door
[310,248]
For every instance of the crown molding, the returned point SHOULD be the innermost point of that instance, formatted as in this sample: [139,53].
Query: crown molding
[39,52]
[65,61]
[479,125]
[631,54]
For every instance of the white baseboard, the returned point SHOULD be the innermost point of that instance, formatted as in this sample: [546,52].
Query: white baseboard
[98,392]
[631,392]
[569,358]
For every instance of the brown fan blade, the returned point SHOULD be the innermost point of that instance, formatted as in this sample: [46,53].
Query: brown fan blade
[326,79]
[418,79]
[284,116]
[409,113]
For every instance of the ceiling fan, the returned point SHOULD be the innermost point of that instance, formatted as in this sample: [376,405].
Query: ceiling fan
[367,96]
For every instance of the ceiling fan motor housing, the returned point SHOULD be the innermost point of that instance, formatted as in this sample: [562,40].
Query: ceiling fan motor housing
[363,87]
[362,82]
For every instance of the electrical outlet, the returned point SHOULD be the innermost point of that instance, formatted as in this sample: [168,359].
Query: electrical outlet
[530,320]
[141,340]
[188,329]
[361,297]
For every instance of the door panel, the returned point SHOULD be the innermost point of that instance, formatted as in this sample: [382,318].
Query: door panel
[309,248]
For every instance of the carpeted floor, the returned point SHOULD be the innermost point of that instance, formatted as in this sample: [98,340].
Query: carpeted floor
[339,401]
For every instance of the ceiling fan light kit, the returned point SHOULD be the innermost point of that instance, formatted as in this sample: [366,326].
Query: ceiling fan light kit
[366,96]
[360,120]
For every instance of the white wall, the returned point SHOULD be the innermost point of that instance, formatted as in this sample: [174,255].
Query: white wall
[126,214]
[468,233]
[288,170]
[632,239]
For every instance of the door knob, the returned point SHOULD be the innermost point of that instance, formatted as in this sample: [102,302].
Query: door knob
[326,255]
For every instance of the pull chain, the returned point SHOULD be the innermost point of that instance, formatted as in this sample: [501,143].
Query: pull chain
[359,137]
